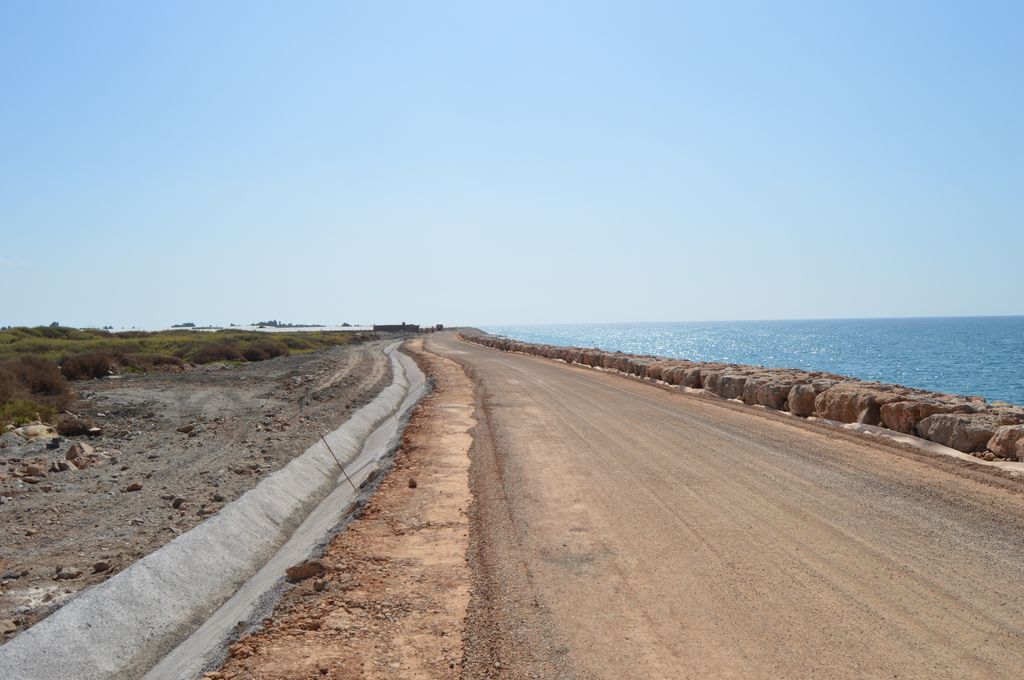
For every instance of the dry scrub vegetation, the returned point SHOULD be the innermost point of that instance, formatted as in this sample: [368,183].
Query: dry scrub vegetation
[37,363]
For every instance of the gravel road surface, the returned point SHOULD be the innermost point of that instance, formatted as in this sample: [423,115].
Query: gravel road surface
[622,530]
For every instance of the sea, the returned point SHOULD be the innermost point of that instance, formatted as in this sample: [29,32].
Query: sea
[958,355]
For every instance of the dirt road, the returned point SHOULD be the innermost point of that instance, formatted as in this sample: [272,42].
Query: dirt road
[620,530]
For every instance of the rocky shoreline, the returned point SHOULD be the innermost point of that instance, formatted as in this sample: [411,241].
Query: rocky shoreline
[970,424]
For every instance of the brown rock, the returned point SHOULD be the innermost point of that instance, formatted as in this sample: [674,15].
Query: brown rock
[727,385]
[412,482]
[768,389]
[1008,442]
[802,395]
[693,377]
[304,570]
[134,486]
[709,380]
[853,402]
[673,375]
[967,432]
[903,416]
[34,471]
[652,372]
[79,449]
[186,429]
[177,502]
[62,466]
[101,567]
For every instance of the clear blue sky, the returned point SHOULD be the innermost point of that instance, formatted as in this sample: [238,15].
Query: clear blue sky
[509,162]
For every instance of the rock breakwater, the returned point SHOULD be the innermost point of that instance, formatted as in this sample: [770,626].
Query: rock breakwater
[971,424]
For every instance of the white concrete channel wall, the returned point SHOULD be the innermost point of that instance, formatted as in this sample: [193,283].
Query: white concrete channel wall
[169,614]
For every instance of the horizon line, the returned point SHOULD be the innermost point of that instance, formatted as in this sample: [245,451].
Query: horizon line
[834,318]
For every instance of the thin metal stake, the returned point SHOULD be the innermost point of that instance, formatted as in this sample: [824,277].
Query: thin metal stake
[339,464]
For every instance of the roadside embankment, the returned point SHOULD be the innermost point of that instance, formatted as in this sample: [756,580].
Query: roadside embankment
[969,424]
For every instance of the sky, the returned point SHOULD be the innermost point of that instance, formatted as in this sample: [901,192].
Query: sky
[508,162]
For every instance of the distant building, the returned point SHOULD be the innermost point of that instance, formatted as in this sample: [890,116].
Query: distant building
[394,328]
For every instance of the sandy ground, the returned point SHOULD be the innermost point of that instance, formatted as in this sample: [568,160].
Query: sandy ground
[248,421]
[392,599]
[622,530]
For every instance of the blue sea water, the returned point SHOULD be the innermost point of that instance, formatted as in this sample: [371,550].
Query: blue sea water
[960,355]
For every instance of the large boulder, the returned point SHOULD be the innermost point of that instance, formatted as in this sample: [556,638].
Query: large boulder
[673,375]
[751,386]
[903,416]
[967,432]
[654,371]
[694,377]
[854,402]
[727,384]
[801,397]
[709,380]
[1008,442]
[637,367]
[771,391]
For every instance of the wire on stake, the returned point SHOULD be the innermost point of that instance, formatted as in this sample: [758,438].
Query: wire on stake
[339,464]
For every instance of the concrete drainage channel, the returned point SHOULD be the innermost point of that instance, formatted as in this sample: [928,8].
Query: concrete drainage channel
[170,613]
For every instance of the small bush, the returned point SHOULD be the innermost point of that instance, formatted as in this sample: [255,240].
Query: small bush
[146,362]
[260,350]
[253,353]
[164,360]
[35,379]
[87,366]
[22,411]
[73,426]
[216,352]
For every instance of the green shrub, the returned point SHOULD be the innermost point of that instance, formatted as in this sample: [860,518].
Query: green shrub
[22,411]
[131,350]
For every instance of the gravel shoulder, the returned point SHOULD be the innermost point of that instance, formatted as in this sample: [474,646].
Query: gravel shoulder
[174,448]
